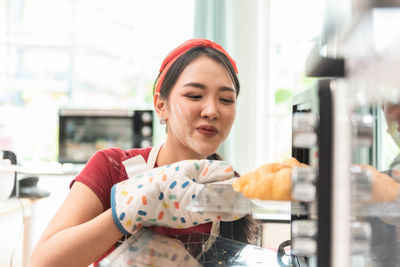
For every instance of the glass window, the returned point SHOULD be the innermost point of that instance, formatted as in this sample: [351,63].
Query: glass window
[294,28]
[82,53]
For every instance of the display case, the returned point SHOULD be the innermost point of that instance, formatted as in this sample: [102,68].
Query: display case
[146,248]
[366,161]
[364,208]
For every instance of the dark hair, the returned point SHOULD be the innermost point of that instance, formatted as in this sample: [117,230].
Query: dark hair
[243,230]
[184,60]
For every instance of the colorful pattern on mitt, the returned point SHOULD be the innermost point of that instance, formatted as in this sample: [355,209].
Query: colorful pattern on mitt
[160,196]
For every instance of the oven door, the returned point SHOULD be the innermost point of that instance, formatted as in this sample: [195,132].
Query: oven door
[312,187]
[366,206]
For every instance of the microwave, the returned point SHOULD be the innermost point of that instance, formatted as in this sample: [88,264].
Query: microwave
[82,132]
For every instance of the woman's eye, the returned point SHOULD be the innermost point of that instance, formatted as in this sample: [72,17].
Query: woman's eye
[194,96]
[227,100]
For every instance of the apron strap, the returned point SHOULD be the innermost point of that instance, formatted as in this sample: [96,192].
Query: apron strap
[151,161]
[137,165]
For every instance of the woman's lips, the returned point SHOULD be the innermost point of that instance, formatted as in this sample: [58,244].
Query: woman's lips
[207,130]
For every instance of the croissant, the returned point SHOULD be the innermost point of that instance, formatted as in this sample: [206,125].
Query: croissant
[269,182]
[273,182]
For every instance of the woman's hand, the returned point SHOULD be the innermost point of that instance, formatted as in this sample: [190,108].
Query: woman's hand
[384,188]
[160,196]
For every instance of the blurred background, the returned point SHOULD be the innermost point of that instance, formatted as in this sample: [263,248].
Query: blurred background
[103,54]
[63,56]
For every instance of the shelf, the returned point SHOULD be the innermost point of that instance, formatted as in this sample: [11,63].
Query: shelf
[384,209]
[222,198]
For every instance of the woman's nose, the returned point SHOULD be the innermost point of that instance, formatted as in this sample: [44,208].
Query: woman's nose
[210,110]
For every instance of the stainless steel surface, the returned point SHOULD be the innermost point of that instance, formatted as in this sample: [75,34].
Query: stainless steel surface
[363,129]
[303,183]
[361,180]
[361,238]
[304,238]
[341,178]
[304,134]
[96,112]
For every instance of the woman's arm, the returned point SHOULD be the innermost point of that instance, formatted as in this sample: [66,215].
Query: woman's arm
[79,233]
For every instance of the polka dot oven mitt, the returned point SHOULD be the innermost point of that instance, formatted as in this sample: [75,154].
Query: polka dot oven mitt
[160,195]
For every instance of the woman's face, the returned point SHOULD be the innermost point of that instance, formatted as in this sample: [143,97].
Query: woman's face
[392,116]
[201,108]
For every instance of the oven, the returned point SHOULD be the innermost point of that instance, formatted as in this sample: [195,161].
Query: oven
[82,132]
[312,186]
[354,218]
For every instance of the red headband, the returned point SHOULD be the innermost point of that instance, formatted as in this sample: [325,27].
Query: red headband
[183,48]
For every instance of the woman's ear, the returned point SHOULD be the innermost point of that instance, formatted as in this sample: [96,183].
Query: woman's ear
[160,106]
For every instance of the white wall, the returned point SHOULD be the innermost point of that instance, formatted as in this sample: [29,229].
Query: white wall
[248,38]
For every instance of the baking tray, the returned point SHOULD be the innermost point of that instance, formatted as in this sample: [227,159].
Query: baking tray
[383,209]
[221,198]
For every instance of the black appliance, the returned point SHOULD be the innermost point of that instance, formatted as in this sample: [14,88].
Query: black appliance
[82,132]
[312,145]
[10,155]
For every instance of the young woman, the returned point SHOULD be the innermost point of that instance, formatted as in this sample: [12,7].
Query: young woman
[195,96]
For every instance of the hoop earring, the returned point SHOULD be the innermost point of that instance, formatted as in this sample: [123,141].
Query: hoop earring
[163,120]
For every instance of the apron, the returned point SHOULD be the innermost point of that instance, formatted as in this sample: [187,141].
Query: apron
[137,164]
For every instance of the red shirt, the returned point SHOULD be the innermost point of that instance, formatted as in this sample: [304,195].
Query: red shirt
[105,168]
